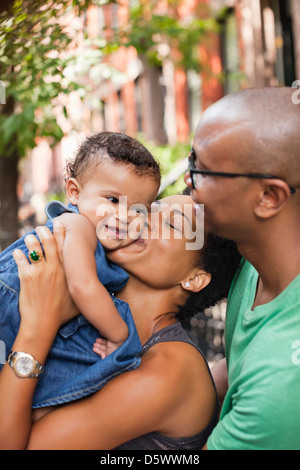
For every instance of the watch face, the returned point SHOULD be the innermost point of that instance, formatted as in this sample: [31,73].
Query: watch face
[24,366]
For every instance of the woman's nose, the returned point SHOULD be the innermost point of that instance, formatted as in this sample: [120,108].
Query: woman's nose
[159,215]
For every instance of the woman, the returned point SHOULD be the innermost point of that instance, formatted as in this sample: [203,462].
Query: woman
[170,401]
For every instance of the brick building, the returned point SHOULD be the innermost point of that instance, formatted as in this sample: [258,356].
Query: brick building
[257,44]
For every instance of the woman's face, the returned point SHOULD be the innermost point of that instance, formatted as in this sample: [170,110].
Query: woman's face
[162,257]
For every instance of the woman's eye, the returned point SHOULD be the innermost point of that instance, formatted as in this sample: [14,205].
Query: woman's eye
[175,222]
[174,225]
[113,199]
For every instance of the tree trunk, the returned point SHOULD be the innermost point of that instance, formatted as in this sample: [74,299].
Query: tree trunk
[153,104]
[9,227]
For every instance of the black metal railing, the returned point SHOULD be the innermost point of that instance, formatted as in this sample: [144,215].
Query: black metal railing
[206,329]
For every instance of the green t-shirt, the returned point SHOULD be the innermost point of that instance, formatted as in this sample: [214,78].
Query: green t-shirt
[261,409]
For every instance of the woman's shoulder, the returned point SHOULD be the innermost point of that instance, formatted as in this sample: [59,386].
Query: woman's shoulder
[182,380]
[172,343]
[175,359]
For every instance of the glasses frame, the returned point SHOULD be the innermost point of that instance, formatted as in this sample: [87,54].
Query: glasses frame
[193,171]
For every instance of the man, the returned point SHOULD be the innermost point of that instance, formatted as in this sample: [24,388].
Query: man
[246,154]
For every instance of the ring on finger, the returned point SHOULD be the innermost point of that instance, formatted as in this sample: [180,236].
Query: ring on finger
[35,256]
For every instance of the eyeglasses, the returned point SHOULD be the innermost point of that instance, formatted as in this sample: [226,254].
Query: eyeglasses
[194,172]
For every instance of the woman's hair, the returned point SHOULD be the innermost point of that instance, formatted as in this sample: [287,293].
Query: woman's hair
[120,148]
[220,258]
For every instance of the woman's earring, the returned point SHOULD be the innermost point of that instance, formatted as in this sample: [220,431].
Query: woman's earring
[187,284]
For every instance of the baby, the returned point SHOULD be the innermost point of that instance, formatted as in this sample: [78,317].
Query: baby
[113,172]
[109,168]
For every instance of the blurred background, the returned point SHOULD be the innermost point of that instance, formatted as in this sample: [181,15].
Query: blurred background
[73,68]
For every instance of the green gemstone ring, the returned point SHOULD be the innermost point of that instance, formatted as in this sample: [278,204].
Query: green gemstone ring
[35,256]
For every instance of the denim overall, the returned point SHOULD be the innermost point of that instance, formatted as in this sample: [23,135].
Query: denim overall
[72,369]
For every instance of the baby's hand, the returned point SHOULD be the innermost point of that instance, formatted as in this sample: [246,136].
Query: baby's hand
[103,347]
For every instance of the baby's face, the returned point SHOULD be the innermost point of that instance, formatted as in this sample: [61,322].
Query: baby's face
[114,198]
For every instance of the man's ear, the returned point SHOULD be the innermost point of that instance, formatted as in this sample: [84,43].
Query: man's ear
[197,282]
[73,189]
[275,193]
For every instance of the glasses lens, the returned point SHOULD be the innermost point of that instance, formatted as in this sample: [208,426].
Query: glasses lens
[196,179]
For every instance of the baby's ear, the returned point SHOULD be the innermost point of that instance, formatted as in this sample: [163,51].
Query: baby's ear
[196,283]
[73,189]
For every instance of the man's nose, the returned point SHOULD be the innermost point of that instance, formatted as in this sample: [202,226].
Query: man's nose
[188,179]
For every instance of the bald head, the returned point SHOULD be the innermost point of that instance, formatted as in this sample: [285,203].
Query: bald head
[266,124]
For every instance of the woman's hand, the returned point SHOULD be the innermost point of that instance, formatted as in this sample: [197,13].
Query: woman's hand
[45,303]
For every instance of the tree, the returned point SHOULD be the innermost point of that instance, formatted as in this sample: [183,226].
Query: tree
[159,32]
[167,35]
[34,52]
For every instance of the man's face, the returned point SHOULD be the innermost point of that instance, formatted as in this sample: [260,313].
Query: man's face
[226,201]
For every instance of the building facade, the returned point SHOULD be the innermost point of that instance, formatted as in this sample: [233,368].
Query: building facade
[256,43]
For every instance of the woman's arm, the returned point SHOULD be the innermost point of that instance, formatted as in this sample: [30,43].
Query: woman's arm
[41,316]
[131,405]
[176,401]
[89,294]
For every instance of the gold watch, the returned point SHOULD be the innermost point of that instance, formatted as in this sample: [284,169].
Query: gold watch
[24,364]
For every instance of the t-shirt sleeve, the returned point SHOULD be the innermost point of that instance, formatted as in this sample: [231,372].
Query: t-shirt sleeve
[264,415]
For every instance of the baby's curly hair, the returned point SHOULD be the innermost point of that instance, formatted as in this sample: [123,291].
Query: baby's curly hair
[220,258]
[120,148]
